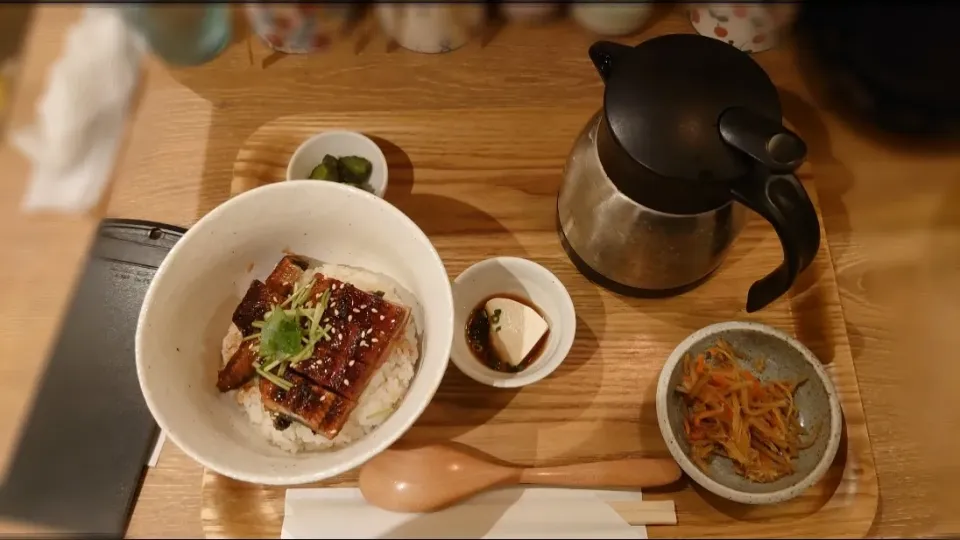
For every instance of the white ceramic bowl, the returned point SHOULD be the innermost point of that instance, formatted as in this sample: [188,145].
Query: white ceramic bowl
[786,359]
[339,144]
[611,19]
[190,302]
[527,279]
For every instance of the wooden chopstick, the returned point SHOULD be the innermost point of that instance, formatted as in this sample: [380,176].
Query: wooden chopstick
[646,512]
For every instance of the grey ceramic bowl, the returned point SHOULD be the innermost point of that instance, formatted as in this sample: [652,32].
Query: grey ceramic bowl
[786,358]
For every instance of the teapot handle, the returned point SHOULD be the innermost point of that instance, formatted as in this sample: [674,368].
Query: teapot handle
[772,191]
[781,200]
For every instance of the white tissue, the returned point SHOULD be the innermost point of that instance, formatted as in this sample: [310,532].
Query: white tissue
[506,513]
[80,117]
[157,448]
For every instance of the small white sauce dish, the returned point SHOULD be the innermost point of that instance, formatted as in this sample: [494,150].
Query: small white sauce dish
[522,278]
[339,144]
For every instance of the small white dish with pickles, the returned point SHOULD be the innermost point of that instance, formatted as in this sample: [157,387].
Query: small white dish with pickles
[346,157]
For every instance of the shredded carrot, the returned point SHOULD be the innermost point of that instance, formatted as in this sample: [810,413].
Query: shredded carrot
[731,413]
[719,380]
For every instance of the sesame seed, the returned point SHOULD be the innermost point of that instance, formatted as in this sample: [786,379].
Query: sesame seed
[346,382]
[374,340]
[363,344]
[363,306]
[323,397]
[326,319]
[349,318]
[355,310]
[381,317]
[336,312]
[286,283]
[373,310]
[392,321]
[350,363]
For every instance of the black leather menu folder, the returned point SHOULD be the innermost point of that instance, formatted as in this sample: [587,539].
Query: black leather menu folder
[80,459]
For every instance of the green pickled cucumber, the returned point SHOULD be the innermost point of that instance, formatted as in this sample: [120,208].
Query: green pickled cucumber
[328,169]
[355,170]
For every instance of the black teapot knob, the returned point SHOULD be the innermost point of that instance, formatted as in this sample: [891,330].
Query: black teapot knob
[605,55]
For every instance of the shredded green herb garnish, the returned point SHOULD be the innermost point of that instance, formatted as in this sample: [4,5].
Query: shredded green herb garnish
[280,335]
[282,383]
[289,333]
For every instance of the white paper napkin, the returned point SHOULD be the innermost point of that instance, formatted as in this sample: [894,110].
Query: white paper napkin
[507,513]
[157,448]
[81,116]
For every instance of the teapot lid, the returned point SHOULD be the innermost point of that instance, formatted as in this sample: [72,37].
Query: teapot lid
[664,98]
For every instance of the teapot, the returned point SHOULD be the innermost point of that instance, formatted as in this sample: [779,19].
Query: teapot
[659,182]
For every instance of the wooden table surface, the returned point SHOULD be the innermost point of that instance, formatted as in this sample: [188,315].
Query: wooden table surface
[891,209]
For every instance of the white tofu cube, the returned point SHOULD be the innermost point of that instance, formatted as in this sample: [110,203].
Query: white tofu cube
[515,329]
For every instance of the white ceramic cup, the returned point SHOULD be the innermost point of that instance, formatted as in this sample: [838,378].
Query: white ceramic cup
[430,28]
[340,144]
[526,279]
[611,19]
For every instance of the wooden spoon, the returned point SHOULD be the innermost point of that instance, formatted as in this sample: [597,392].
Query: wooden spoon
[407,478]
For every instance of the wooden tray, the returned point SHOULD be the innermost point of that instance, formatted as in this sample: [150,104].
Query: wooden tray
[483,182]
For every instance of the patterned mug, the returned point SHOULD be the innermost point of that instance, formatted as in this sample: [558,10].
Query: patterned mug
[296,28]
[751,28]
[431,28]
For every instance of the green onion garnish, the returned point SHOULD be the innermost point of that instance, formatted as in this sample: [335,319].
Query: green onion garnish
[318,312]
[282,383]
[296,291]
[298,297]
[279,327]
[251,336]
[324,333]
[304,353]
[271,364]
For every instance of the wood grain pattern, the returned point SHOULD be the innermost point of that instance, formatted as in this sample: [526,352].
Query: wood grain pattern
[492,189]
[889,208]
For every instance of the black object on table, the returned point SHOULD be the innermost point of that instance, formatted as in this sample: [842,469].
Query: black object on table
[82,450]
[891,64]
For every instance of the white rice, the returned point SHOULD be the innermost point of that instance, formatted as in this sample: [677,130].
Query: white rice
[377,402]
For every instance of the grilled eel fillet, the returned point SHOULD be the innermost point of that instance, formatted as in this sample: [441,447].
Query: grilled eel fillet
[321,410]
[258,300]
[364,329]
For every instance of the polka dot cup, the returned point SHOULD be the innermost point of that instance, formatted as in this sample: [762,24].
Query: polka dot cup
[751,28]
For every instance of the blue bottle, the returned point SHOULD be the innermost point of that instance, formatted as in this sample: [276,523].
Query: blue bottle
[182,34]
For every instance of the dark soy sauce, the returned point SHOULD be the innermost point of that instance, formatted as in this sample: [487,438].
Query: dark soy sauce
[478,337]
